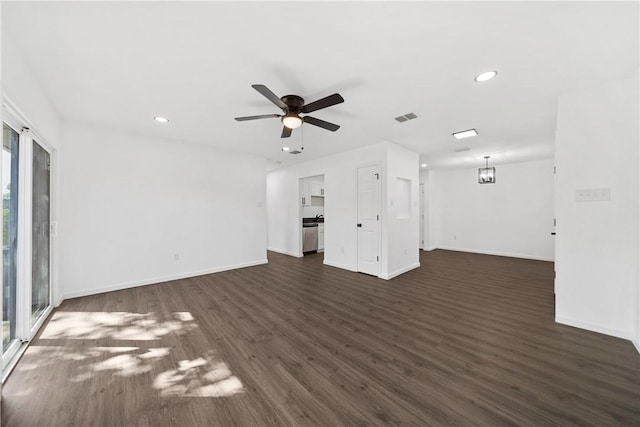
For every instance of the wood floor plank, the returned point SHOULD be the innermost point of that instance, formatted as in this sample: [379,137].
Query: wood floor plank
[466,339]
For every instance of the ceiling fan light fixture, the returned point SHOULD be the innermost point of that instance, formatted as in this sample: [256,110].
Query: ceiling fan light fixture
[292,121]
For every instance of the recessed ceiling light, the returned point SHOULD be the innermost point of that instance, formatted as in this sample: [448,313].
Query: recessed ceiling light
[285,148]
[465,133]
[424,165]
[161,119]
[486,76]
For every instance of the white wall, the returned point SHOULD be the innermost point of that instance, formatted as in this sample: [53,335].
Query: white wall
[340,171]
[597,243]
[25,96]
[401,251]
[130,203]
[513,217]
[340,183]
[23,89]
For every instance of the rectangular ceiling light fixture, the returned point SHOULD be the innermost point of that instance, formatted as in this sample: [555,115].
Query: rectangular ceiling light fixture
[465,133]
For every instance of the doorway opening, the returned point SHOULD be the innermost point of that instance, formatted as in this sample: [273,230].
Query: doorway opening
[311,218]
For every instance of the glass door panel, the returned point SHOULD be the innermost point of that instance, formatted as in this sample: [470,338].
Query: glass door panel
[10,141]
[40,249]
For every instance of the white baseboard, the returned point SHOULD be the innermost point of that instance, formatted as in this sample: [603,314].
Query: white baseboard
[507,254]
[429,248]
[284,252]
[339,265]
[636,345]
[399,272]
[156,280]
[594,328]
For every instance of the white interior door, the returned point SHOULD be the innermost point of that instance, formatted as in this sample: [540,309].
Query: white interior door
[369,220]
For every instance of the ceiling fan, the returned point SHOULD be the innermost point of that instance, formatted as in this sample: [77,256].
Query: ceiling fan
[292,106]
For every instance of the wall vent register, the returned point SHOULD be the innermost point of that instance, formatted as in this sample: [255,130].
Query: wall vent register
[406,117]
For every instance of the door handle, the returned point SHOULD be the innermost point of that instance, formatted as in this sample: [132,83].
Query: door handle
[359,225]
[553,234]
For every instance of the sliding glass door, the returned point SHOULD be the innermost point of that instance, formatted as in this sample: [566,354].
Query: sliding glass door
[26,240]
[10,150]
[40,240]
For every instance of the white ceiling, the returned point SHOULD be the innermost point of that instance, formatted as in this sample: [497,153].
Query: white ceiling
[119,64]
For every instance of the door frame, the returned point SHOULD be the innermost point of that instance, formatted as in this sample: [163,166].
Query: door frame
[378,207]
[17,120]
[301,180]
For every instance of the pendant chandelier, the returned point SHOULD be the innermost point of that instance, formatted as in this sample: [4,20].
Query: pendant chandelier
[486,175]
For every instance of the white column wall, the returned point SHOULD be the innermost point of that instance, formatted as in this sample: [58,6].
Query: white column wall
[597,242]
[340,181]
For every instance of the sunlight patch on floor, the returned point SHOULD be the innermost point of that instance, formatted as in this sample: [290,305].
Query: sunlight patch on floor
[38,356]
[201,377]
[123,365]
[206,376]
[116,325]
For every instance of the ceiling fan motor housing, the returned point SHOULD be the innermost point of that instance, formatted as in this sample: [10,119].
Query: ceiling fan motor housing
[294,103]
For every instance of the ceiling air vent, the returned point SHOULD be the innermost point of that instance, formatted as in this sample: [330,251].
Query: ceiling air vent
[295,152]
[461,149]
[408,116]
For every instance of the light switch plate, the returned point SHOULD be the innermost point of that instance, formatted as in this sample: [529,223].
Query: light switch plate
[593,195]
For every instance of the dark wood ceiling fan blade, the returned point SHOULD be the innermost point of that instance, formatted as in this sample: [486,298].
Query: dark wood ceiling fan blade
[264,116]
[286,132]
[323,103]
[321,123]
[266,92]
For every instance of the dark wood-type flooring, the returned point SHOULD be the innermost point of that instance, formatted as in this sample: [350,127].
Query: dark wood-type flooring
[464,340]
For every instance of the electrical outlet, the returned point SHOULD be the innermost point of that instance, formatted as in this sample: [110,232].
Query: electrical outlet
[176,256]
[593,195]
[342,249]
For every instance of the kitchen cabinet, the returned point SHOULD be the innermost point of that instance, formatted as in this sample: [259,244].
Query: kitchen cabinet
[317,189]
[306,194]
[320,237]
